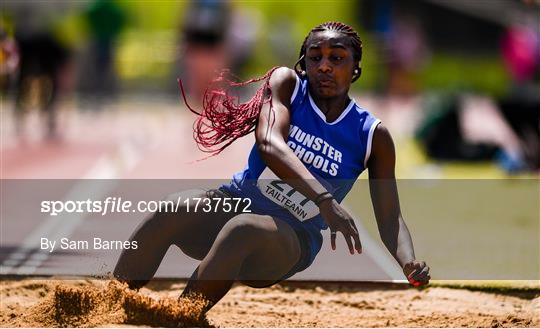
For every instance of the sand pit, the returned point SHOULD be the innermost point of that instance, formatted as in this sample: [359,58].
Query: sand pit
[91,303]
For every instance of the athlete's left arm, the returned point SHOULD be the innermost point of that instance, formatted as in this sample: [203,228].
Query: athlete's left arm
[384,196]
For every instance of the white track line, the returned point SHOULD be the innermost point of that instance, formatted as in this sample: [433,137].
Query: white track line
[62,225]
[97,183]
[379,256]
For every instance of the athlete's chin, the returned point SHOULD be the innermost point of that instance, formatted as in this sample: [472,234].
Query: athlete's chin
[323,92]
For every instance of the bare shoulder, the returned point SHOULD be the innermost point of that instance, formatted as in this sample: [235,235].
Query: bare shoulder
[382,139]
[282,84]
[283,75]
[382,160]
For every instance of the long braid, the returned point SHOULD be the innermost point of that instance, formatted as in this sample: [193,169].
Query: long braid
[223,119]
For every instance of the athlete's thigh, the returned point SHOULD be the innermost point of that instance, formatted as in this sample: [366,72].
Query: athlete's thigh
[203,218]
[277,256]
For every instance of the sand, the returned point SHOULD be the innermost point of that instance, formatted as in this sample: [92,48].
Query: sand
[95,303]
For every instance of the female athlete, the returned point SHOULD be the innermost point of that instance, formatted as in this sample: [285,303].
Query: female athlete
[312,142]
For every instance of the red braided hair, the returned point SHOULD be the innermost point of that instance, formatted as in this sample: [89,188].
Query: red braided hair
[223,119]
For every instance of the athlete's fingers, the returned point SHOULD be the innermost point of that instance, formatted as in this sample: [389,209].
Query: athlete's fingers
[349,242]
[419,277]
[353,224]
[412,274]
[414,266]
[423,275]
[411,279]
[356,237]
[423,279]
[357,243]
[415,275]
[333,239]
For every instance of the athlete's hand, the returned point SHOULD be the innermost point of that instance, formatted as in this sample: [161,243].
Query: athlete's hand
[417,272]
[339,220]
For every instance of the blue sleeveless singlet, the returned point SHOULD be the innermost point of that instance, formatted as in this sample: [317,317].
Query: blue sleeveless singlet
[336,153]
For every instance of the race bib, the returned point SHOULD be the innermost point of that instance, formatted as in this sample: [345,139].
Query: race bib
[279,192]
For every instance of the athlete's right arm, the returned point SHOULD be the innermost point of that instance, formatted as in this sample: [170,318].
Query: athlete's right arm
[271,136]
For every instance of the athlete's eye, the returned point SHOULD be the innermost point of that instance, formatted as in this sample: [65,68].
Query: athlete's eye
[337,58]
[315,58]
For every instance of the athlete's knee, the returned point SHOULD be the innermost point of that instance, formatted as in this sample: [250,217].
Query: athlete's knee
[173,211]
[247,230]
[176,205]
[181,202]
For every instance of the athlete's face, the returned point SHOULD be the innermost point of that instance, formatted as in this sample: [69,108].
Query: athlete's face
[329,63]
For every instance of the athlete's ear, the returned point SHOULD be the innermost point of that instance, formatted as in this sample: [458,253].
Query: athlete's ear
[356,74]
[300,65]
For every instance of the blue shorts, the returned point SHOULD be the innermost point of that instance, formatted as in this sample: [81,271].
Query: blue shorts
[309,235]
[306,255]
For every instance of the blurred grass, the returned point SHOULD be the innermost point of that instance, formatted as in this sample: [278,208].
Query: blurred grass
[147,46]
[468,221]
[454,72]
[496,286]
[526,285]
[413,162]
[147,54]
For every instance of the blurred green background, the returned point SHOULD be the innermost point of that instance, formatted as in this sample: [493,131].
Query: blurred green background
[146,50]
[147,47]
[466,229]
[461,77]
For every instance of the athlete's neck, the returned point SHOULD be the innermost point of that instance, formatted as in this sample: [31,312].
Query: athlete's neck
[332,107]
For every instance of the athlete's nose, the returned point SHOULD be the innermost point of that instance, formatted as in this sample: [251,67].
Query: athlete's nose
[325,66]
